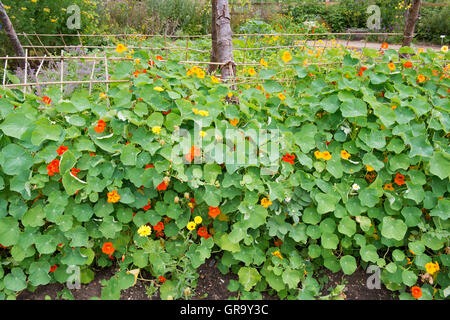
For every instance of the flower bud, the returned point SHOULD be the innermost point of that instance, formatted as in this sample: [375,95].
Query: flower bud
[186,195]
[176,200]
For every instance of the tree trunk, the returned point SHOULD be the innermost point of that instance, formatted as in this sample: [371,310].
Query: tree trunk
[11,33]
[411,21]
[222,42]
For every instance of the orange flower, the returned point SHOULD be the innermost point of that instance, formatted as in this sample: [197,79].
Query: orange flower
[369,168]
[399,179]
[326,155]
[214,212]
[416,292]
[388,186]
[391,66]
[100,126]
[161,279]
[159,58]
[345,155]
[202,232]
[74,171]
[421,78]
[385,45]
[113,196]
[159,227]
[108,248]
[195,152]
[408,64]
[162,186]
[46,100]
[234,122]
[61,150]
[53,167]
[289,158]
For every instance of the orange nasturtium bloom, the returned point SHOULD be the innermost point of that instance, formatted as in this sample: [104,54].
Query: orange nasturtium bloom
[277,254]
[326,155]
[399,179]
[318,154]
[369,168]
[214,212]
[286,57]
[265,202]
[408,64]
[53,167]
[100,126]
[61,150]
[121,48]
[345,155]
[108,248]
[421,78]
[46,100]
[281,96]
[195,152]
[113,196]
[385,45]
[391,66]
[234,122]
[388,186]
[416,292]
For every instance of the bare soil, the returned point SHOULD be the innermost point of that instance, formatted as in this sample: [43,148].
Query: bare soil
[212,285]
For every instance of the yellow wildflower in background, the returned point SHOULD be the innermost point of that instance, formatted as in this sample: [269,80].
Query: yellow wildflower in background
[215,79]
[158,89]
[444,49]
[263,62]
[202,134]
[251,71]
[281,96]
[156,129]
[286,57]
[144,231]
[121,48]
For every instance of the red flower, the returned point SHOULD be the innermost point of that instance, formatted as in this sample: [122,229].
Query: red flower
[289,158]
[149,166]
[399,179]
[100,126]
[416,292]
[408,64]
[214,212]
[92,154]
[166,112]
[202,232]
[151,63]
[61,150]
[161,279]
[159,58]
[159,226]
[278,242]
[53,268]
[147,207]
[46,100]
[159,234]
[74,171]
[162,186]
[53,167]
[108,248]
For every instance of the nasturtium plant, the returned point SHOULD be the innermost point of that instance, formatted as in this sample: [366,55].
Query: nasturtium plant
[338,168]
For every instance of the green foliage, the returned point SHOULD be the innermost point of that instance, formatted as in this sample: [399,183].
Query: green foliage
[326,209]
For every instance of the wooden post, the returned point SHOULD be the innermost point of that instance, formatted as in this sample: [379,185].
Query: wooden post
[413,16]
[222,42]
[11,33]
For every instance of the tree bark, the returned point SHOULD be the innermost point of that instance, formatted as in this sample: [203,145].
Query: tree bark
[411,21]
[11,33]
[222,42]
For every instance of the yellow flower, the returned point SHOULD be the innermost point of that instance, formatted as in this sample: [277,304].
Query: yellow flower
[121,48]
[277,254]
[345,155]
[191,225]
[156,129]
[230,94]
[432,267]
[215,79]
[391,66]
[23,8]
[204,113]
[420,50]
[444,49]
[202,134]
[421,78]
[369,168]
[137,61]
[318,154]
[158,89]
[326,155]
[102,95]
[265,202]
[144,231]
[286,57]
[263,62]
[201,74]
[281,96]
[46,10]
[251,71]
[198,219]
[195,111]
